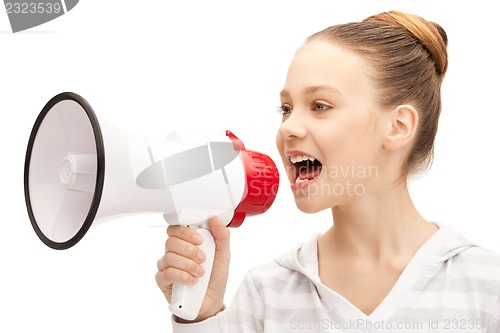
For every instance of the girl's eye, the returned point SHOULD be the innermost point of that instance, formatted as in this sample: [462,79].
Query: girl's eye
[284,110]
[320,107]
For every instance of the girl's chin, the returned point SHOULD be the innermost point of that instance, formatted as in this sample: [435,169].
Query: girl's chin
[308,206]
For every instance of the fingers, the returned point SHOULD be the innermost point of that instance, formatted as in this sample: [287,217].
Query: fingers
[171,259]
[184,248]
[221,235]
[181,254]
[185,233]
[166,278]
[173,268]
[182,260]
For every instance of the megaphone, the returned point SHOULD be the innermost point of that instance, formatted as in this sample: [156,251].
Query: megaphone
[79,170]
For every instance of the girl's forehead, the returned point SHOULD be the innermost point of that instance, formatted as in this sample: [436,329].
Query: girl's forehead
[323,63]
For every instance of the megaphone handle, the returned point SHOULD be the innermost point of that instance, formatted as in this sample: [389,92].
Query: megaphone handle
[186,300]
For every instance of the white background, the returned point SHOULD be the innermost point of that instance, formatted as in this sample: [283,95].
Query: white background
[153,67]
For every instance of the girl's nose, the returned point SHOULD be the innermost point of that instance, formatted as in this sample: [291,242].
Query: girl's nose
[293,127]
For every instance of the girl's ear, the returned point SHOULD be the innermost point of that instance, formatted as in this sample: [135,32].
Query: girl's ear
[402,127]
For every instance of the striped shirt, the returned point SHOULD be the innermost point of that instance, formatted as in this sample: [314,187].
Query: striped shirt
[450,285]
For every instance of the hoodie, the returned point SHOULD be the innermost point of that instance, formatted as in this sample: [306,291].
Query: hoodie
[450,285]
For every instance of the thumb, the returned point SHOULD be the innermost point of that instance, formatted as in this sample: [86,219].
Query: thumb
[221,235]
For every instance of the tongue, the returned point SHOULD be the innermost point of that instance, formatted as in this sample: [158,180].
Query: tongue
[308,175]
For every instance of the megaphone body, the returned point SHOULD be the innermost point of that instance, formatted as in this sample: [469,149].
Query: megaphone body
[79,170]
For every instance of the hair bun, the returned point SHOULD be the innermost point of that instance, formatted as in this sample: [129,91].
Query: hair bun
[431,35]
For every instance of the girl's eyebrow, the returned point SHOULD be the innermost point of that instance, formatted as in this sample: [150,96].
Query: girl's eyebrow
[284,93]
[327,89]
[312,89]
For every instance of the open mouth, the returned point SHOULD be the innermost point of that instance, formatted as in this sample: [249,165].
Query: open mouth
[304,168]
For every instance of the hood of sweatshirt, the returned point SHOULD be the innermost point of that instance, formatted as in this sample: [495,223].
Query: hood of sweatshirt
[436,252]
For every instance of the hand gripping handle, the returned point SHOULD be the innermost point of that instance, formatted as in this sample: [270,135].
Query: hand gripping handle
[186,300]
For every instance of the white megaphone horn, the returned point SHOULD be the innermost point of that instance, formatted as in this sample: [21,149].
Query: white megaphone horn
[79,170]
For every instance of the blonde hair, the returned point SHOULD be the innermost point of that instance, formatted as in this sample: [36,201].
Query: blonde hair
[409,58]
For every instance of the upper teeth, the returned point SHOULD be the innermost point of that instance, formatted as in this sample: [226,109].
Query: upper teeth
[300,158]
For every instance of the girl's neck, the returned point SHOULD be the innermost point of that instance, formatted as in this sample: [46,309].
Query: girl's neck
[377,226]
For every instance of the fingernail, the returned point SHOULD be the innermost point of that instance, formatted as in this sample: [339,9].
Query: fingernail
[200,270]
[197,239]
[201,257]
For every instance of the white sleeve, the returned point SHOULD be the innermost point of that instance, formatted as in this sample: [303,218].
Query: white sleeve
[244,315]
